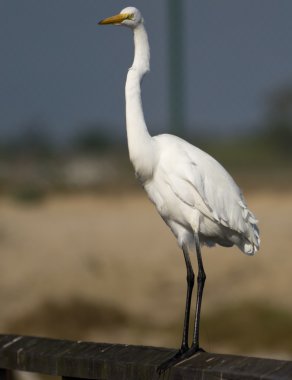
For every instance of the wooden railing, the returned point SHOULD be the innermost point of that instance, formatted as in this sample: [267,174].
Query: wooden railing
[102,361]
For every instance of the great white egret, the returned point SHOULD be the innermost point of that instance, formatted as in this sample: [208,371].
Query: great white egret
[192,192]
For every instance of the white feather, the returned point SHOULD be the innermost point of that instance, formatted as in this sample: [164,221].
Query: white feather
[192,192]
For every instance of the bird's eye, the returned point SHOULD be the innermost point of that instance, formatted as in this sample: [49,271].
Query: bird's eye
[131,16]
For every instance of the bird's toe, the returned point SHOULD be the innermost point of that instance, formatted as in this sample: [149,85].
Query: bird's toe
[194,349]
[176,358]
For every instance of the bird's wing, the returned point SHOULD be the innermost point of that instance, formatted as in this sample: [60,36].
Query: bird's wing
[200,181]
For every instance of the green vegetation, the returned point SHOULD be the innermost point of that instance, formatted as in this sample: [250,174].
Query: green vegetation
[28,194]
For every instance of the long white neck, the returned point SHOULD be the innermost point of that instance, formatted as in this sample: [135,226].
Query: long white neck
[139,139]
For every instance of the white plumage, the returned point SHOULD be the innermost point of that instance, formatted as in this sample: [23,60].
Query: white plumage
[192,192]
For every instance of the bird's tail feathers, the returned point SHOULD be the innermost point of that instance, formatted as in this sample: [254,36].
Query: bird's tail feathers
[251,242]
[249,248]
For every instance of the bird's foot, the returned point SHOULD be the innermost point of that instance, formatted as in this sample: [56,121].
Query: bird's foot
[182,354]
[194,349]
[176,358]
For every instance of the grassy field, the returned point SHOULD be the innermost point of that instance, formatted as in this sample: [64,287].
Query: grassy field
[106,268]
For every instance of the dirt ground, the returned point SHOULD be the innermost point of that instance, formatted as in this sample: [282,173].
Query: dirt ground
[106,268]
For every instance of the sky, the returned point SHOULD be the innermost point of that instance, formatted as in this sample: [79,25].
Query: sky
[59,67]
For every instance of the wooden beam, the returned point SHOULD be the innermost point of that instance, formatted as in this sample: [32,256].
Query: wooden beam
[4,374]
[103,361]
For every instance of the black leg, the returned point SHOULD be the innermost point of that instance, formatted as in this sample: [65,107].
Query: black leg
[190,286]
[201,282]
[184,345]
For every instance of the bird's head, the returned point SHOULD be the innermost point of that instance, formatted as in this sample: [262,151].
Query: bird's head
[129,16]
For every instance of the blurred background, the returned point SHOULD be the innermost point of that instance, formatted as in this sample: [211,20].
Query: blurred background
[83,253]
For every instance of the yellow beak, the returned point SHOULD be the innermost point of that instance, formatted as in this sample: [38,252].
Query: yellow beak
[117,19]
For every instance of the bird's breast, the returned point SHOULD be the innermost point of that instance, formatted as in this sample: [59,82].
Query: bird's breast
[167,204]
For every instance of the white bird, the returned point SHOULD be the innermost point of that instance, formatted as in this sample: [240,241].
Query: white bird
[192,192]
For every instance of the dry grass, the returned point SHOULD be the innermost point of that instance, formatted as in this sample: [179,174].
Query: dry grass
[106,268]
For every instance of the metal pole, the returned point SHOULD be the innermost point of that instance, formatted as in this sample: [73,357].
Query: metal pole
[176,78]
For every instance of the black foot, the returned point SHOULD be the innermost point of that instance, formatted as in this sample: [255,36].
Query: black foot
[172,361]
[181,355]
[194,349]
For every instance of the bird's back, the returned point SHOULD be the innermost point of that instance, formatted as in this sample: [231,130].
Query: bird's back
[191,190]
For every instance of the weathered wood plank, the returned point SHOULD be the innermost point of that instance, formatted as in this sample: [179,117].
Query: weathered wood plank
[3,374]
[104,361]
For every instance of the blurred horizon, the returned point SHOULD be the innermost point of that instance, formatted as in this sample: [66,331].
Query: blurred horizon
[33,164]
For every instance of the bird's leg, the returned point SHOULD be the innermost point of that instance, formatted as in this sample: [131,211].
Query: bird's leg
[201,282]
[190,285]
[184,345]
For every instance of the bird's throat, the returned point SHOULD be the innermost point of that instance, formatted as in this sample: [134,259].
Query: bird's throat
[139,140]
